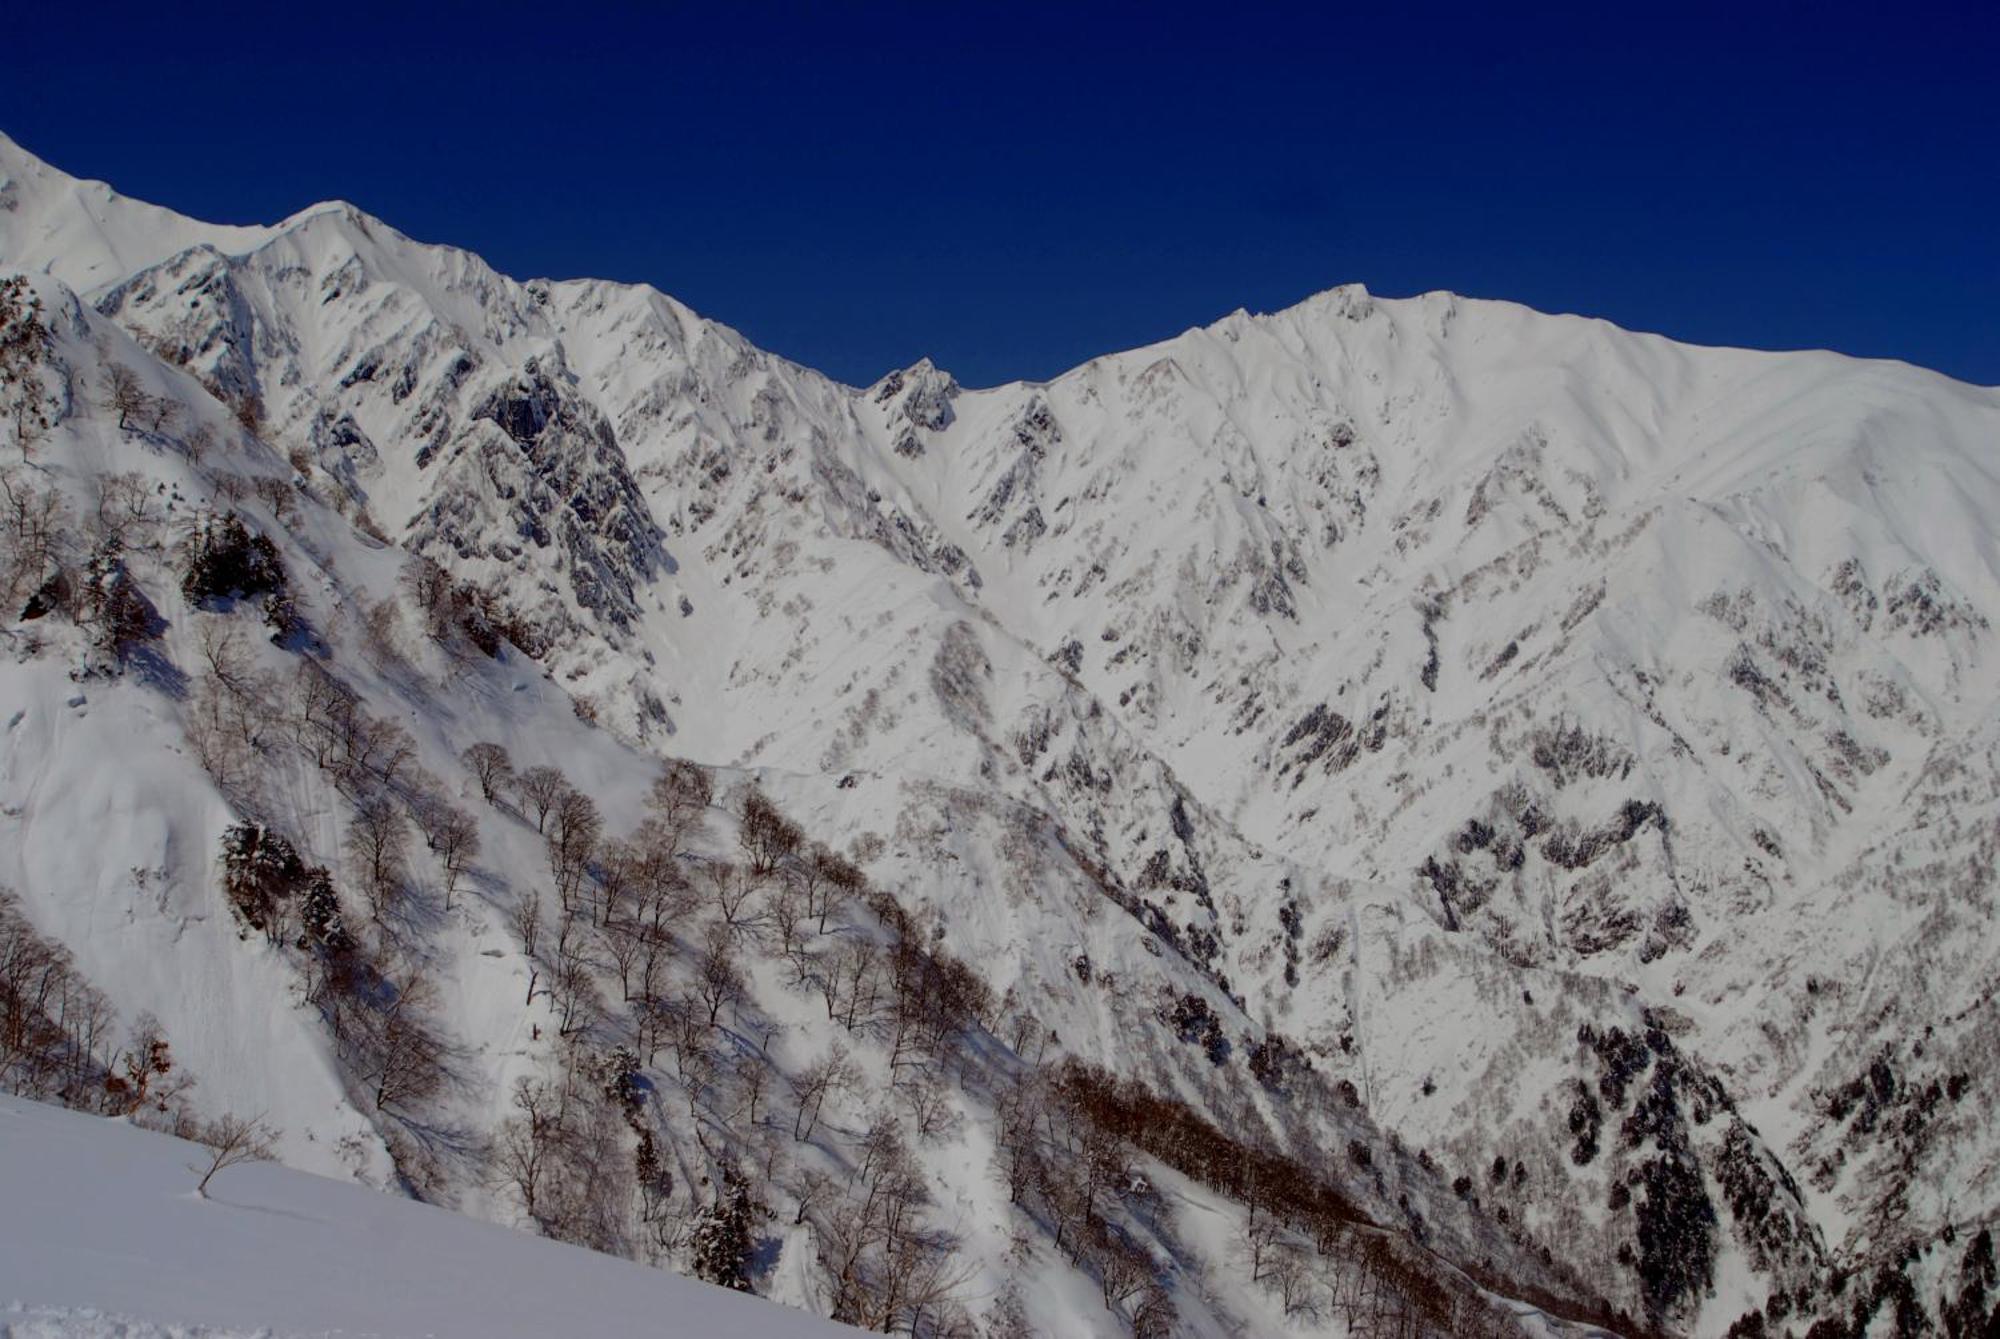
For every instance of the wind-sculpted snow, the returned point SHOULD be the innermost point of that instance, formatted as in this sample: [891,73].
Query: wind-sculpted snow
[1546,770]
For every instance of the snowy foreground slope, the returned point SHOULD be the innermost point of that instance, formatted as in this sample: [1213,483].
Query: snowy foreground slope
[1385,816]
[102,1230]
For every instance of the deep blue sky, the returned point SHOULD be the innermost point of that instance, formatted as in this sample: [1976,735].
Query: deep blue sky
[1013,189]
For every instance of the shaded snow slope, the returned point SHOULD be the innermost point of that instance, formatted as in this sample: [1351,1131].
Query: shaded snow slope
[102,1228]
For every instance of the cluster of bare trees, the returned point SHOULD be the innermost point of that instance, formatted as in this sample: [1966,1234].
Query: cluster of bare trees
[1303,1238]
[619,903]
[377,1001]
[37,529]
[380,1009]
[674,932]
[245,405]
[451,833]
[55,1028]
[380,1012]
[48,567]
[44,549]
[1068,1171]
[239,714]
[451,609]
[889,1270]
[240,711]
[26,403]
[58,1043]
[138,409]
[341,735]
[560,1149]
[58,1039]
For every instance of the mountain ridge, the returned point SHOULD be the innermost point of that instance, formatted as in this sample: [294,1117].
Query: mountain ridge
[15,158]
[1492,708]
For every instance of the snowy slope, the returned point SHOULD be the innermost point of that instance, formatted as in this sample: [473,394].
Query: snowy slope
[102,1228]
[1578,747]
[83,232]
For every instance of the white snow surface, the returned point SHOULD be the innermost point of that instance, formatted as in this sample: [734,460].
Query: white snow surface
[102,1235]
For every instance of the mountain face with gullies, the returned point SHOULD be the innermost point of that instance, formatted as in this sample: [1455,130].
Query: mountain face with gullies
[1535,783]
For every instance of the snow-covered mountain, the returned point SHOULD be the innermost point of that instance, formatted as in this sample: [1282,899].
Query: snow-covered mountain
[1539,779]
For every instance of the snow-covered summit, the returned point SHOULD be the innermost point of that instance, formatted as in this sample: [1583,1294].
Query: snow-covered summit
[85,233]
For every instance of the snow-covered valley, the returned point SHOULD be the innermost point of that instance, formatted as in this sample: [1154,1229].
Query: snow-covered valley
[1393,816]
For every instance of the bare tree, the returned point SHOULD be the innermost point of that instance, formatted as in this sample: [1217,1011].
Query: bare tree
[813,1187]
[927,1097]
[250,692]
[124,394]
[127,510]
[788,909]
[375,841]
[36,533]
[572,839]
[455,838]
[753,1081]
[889,1272]
[25,346]
[691,1039]
[682,794]
[618,865]
[382,632]
[1123,1271]
[159,413]
[232,1140]
[829,1076]
[625,944]
[199,441]
[849,982]
[662,892]
[573,987]
[409,1054]
[434,593]
[212,726]
[1259,1239]
[717,981]
[829,882]
[321,706]
[540,788]
[370,745]
[275,493]
[527,923]
[493,767]
[1019,1108]
[530,1143]
[732,887]
[766,835]
[1291,1273]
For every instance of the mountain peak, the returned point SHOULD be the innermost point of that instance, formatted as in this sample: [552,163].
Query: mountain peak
[85,233]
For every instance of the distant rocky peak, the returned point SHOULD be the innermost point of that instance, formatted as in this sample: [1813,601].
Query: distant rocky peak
[918,400]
